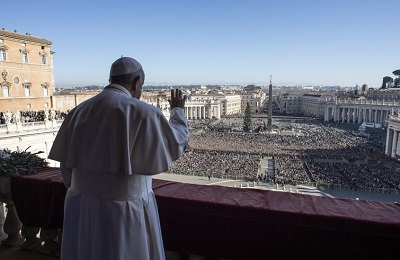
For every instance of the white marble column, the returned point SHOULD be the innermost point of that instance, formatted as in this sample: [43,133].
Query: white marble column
[355,118]
[371,115]
[394,143]
[335,114]
[364,115]
[197,112]
[389,141]
[3,235]
[326,114]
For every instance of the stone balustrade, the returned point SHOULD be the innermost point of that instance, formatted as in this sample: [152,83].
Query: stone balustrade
[14,233]
[366,101]
[258,223]
[30,126]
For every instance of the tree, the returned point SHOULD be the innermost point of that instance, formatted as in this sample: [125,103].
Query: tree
[397,80]
[386,83]
[247,125]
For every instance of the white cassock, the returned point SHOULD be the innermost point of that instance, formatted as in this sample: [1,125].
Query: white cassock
[108,148]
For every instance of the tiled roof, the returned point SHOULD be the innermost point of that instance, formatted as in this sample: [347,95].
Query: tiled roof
[23,37]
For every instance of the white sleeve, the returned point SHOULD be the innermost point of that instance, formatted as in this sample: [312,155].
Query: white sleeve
[180,128]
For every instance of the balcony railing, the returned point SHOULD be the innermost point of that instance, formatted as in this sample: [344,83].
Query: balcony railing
[29,126]
[225,222]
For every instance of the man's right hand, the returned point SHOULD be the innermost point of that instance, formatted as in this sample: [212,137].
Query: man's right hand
[177,100]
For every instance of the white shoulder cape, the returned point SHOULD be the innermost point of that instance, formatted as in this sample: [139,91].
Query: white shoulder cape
[115,133]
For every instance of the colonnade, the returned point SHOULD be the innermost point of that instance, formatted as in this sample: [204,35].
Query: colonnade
[357,113]
[198,110]
[392,136]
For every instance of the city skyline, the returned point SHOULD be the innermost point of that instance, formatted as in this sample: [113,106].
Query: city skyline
[217,42]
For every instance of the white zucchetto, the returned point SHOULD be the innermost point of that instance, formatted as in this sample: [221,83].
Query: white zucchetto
[124,65]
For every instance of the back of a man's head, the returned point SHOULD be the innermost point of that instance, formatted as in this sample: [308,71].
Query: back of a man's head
[124,70]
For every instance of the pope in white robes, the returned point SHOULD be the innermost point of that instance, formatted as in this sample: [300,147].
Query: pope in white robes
[108,148]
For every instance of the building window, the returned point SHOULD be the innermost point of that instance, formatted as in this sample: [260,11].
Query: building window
[27,91]
[5,92]
[23,44]
[1,41]
[59,103]
[16,80]
[2,54]
[43,59]
[28,105]
[25,57]
[45,91]
[46,104]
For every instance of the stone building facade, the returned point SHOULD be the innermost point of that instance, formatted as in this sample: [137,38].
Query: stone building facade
[256,100]
[26,67]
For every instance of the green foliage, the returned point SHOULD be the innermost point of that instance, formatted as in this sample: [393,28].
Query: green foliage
[397,80]
[15,163]
[396,73]
[247,124]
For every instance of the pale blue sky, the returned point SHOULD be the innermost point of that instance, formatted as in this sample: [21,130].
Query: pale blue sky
[306,42]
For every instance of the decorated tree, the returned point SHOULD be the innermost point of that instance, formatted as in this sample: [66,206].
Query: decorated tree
[247,125]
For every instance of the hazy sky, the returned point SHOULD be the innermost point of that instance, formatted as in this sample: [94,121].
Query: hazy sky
[298,42]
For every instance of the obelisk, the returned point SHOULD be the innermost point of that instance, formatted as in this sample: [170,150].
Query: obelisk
[269,124]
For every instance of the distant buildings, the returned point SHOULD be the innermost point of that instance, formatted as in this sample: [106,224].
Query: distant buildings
[26,67]
[27,83]
[368,106]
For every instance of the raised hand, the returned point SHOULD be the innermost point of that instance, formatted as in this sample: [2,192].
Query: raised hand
[177,100]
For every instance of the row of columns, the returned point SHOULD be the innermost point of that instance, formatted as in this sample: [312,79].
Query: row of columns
[356,115]
[202,112]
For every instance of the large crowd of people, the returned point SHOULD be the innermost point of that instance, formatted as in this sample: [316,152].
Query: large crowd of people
[314,153]
[219,164]
[28,116]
